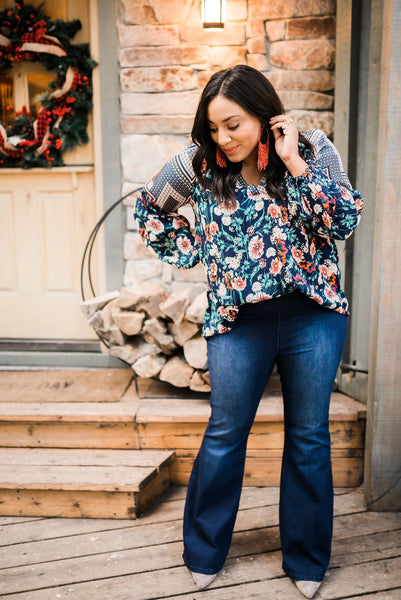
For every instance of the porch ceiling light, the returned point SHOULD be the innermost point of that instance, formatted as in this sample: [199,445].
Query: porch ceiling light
[213,13]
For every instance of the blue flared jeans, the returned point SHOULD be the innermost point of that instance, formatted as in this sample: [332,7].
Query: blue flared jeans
[306,342]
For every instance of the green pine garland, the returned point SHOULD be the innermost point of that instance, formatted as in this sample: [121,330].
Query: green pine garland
[65,119]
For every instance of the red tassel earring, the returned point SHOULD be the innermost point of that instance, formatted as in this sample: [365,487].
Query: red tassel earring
[263,150]
[220,158]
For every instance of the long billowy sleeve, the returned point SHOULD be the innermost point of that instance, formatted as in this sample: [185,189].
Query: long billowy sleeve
[323,198]
[160,225]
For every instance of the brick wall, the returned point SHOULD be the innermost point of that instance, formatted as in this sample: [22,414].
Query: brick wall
[166,57]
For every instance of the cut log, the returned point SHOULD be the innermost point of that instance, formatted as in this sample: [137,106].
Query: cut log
[196,310]
[154,331]
[133,350]
[108,313]
[102,320]
[176,304]
[97,322]
[124,353]
[198,384]
[177,372]
[155,323]
[182,332]
[114,336]
[127,353]
[130,322]
[149,366]
[146,349]
[195,352]
[143,295]
[89,307]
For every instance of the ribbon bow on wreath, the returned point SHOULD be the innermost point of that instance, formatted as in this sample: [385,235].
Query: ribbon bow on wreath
[28,34]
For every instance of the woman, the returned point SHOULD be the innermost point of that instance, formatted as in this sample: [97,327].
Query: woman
[269,203]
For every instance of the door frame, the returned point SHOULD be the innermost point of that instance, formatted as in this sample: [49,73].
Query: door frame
[107,140]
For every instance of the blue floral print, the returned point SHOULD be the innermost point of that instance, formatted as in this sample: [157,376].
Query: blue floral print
[261,247]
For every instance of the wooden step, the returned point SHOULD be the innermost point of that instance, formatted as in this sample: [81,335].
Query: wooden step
[161,423]
[180,424]
[109,484]
[69,425]
[68,385]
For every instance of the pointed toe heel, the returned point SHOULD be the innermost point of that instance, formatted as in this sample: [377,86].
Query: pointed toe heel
[308,588]
[201,580]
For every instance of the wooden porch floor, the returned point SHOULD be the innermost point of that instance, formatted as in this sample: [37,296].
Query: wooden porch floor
[81,559]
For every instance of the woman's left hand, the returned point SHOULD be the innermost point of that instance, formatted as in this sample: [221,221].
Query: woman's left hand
[286,143]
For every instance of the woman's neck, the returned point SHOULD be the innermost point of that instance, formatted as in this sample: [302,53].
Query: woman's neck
[251,175]
[249,170]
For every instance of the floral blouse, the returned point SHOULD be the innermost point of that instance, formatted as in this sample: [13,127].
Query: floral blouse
[262,247]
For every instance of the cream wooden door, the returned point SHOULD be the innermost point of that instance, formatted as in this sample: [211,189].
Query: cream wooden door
[45,219]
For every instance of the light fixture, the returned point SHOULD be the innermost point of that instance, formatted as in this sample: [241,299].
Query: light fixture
[213,13]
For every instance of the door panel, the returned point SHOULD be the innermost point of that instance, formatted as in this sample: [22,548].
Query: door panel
[7,246]
[45,222]
[59,255]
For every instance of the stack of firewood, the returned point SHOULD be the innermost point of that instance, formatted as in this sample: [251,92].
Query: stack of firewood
[157,333]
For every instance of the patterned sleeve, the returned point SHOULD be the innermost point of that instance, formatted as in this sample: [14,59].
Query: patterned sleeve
[323,197]
[160,226]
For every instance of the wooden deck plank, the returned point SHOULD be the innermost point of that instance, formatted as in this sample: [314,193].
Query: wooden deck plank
[262,471]
[5,521]
[393,594]
[72,385]
[78,412]
[188,435]
[342,408]
[365,578]
[71,504]
[367,556]
[268,453]
[66,477]
[366,548]
[74,457]
[169,410]
[36,530]
[365,523]
[68,435]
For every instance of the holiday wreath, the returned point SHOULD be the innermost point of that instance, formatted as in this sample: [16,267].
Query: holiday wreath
[28,34]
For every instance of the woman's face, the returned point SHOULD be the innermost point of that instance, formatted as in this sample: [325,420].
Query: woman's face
[233,129]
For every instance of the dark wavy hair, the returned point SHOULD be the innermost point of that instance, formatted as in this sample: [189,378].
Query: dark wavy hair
[254,93]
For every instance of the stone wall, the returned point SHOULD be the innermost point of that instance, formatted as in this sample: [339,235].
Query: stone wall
[166,57]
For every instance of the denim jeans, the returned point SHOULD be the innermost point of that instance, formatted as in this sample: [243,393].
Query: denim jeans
[306,342]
